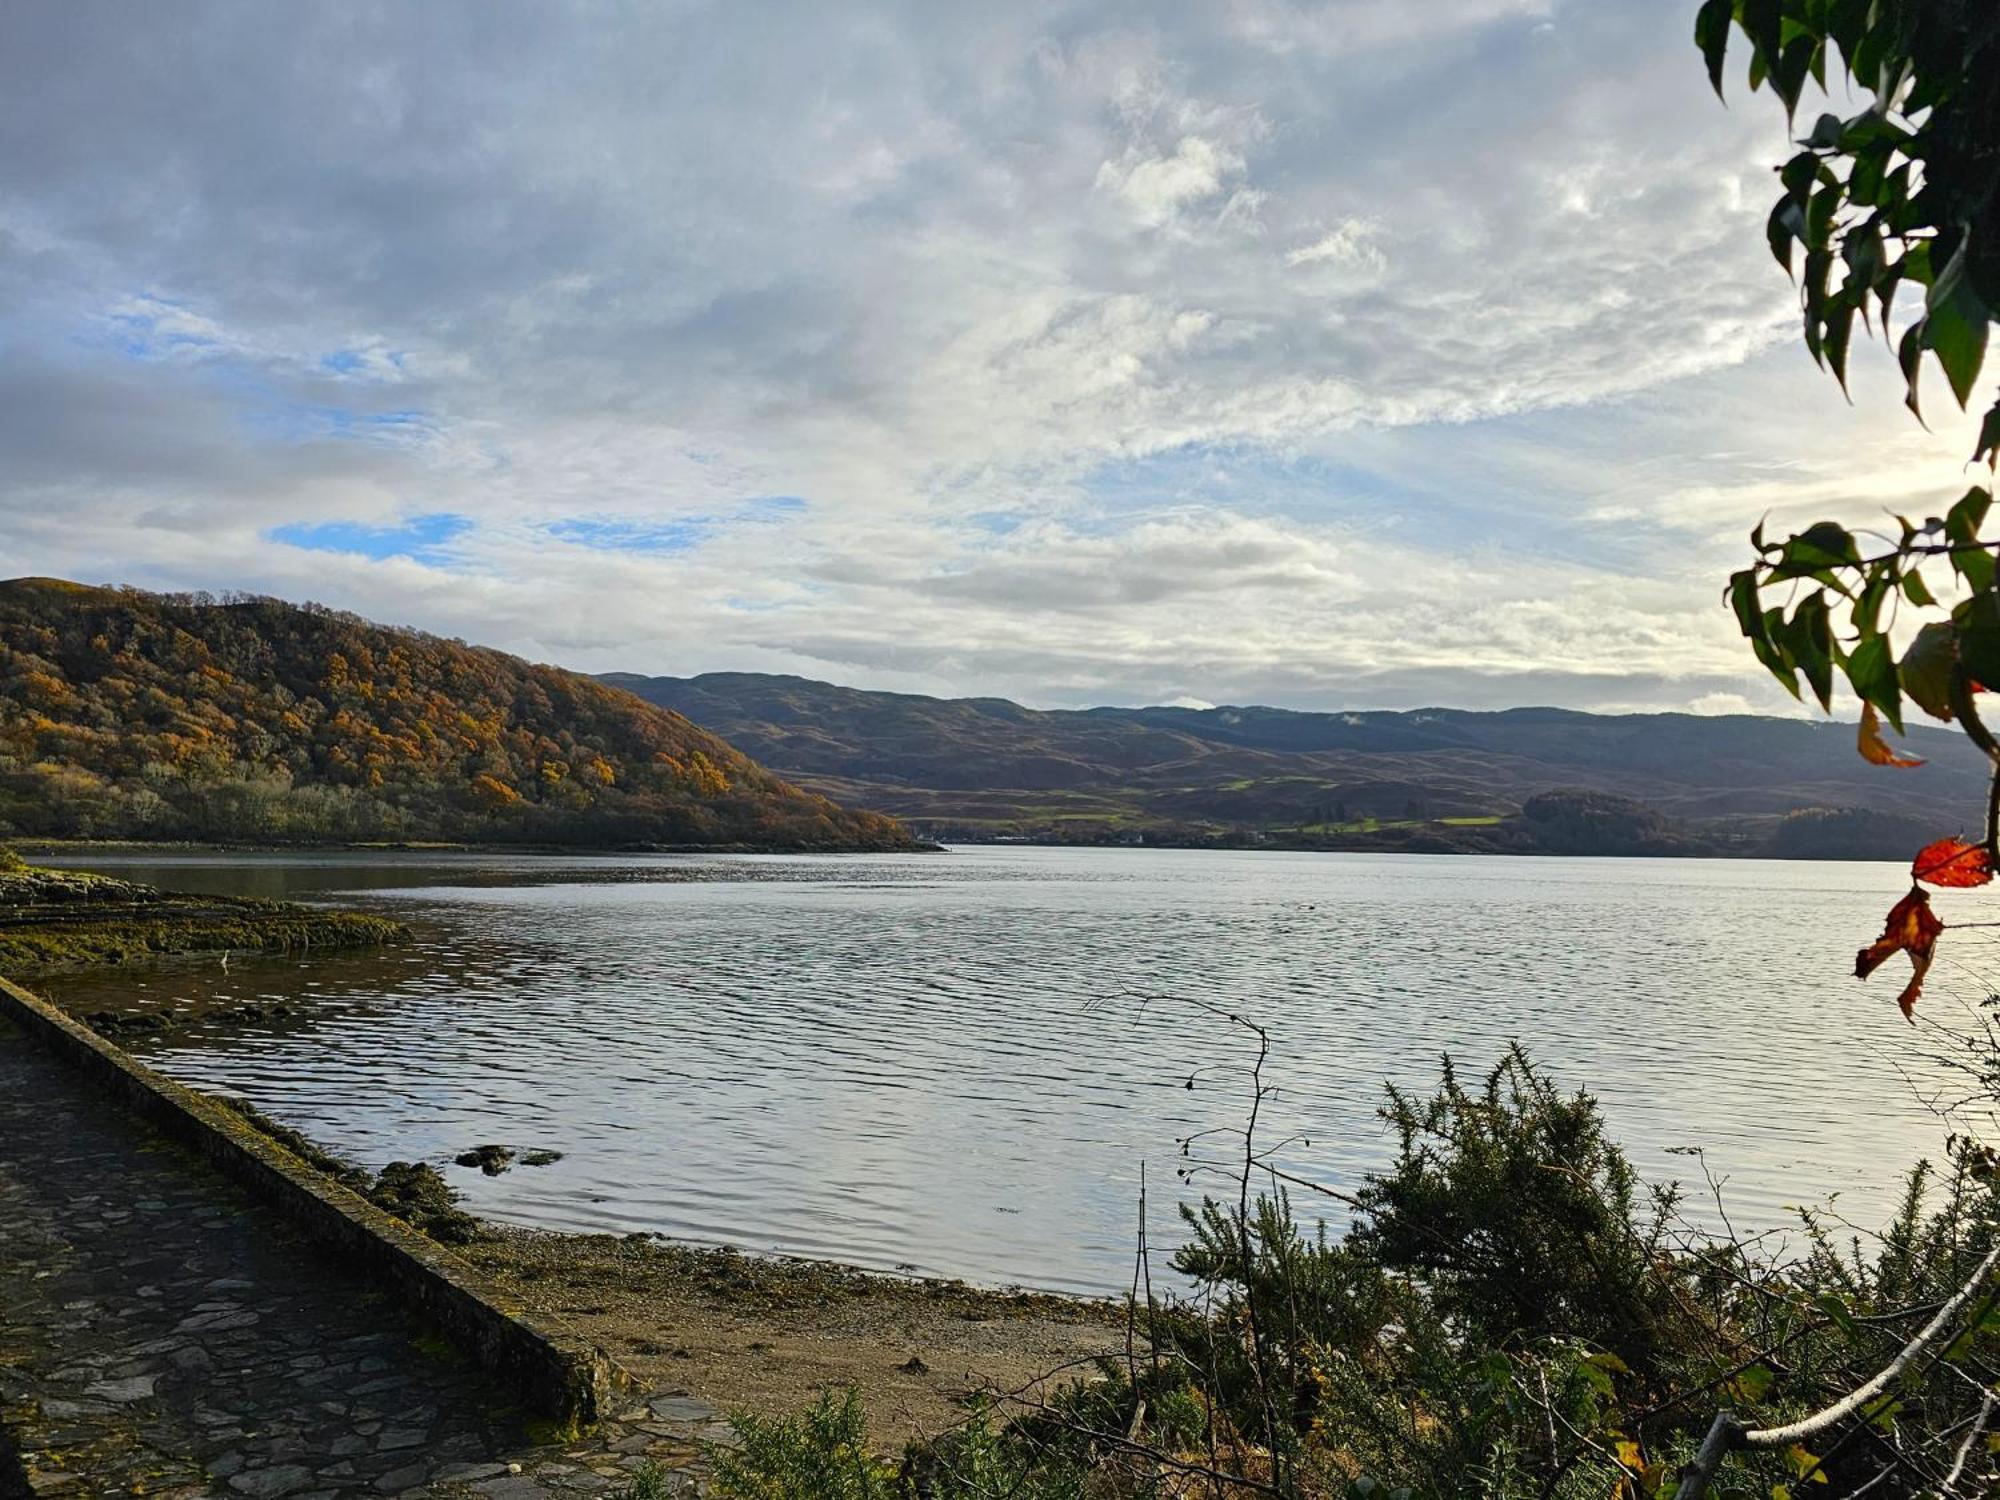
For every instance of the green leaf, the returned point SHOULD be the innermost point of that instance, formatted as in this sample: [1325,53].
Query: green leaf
[1916,263]
[1743,598]
[1963,520]
[1962,523]
[1835,1309]
[1826,544]
[1778,232]
[1917,591]
[1926,668]
[1955,327]
[1711,34]
[1799,174]
[1809,636]
[1754,1384]
[1770,650]
[1873,674]
[1979,638]
[1819,217]
[1910,355]
[1989,439]
[1839,329]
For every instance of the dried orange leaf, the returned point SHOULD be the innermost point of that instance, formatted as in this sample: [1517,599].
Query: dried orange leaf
[1911,927]
[1876,750]
[1952,862]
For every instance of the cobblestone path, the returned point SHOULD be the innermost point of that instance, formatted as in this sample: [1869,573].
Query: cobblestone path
[162,1334]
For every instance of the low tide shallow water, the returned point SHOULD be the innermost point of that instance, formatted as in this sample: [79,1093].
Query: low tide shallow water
[957,1063]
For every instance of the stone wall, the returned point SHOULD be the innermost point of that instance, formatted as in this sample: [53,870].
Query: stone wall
[559,1375]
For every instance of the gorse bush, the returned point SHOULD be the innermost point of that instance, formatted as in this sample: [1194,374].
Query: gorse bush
[1512,1314]
[1520,1216]
[824,1453]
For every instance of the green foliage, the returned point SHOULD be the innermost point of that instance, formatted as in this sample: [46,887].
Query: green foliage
[1509,1319]
[824,1453]
[821,1454]
[649,1482]
[1520,1217]
[130,715]
[1906,190]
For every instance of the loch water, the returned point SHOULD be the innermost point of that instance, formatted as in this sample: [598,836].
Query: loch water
[956,1063]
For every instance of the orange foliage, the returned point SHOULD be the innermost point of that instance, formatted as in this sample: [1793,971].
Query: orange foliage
[169,697]
[1911,927]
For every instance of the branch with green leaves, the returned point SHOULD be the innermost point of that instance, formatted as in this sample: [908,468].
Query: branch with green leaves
[1904,192]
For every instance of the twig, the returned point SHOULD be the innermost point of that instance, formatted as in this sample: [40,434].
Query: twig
[1726,1433]
[1965,1448]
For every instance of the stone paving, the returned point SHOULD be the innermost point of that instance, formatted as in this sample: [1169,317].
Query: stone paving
[162,1334]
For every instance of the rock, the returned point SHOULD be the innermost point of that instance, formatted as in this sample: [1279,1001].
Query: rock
[492,1160]
[464,1473]
[132,1388]
[265,1484]
[914,1365]
[682,1409]
[541,1158]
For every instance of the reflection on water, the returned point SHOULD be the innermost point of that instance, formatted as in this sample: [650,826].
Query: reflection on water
[943,1062]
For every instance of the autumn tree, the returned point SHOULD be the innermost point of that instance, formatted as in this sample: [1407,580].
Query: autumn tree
[1888,221]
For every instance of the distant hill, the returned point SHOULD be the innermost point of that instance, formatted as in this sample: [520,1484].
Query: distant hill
[1440,779]
[133,715]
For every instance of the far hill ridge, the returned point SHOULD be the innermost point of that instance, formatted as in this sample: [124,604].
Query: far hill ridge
[131,715]
[1520,780]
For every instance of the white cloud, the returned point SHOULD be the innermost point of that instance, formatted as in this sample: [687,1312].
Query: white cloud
[1160,188]
[1349,243]
[1723,703]
[1346,352]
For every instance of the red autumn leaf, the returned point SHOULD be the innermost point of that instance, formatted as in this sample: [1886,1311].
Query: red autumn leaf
[1876,750]
[1911,927]
[1952,862]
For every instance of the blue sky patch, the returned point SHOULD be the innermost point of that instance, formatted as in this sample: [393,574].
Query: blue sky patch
[672,534]
[422,539]
[634,536]
[771,507]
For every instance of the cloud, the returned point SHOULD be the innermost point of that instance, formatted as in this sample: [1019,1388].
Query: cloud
[1336,353]
[1159,188]
[1349,243]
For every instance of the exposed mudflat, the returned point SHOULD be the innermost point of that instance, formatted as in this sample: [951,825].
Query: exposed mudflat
[768,1335]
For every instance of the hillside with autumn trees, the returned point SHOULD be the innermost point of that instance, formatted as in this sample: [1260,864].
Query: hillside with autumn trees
[145,716]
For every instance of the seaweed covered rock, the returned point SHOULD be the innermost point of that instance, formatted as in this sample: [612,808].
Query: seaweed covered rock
[60,919]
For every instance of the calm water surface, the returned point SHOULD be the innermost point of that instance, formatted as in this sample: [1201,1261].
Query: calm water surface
[944,1063]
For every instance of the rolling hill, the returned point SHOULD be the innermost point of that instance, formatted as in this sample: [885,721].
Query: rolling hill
[1527,779]
[144,716]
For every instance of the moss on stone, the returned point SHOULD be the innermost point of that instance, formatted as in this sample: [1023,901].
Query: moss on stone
[61,919]
[414,1192]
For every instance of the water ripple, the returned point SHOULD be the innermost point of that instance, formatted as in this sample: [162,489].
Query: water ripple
[947,1063]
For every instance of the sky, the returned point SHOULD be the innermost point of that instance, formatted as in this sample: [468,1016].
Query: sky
[1352,354]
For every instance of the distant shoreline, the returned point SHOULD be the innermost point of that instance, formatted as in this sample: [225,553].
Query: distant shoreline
[943,845]
[42,845]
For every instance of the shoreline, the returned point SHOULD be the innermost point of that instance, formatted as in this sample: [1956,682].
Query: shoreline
[36,845]
[767,1334]
[76,847]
